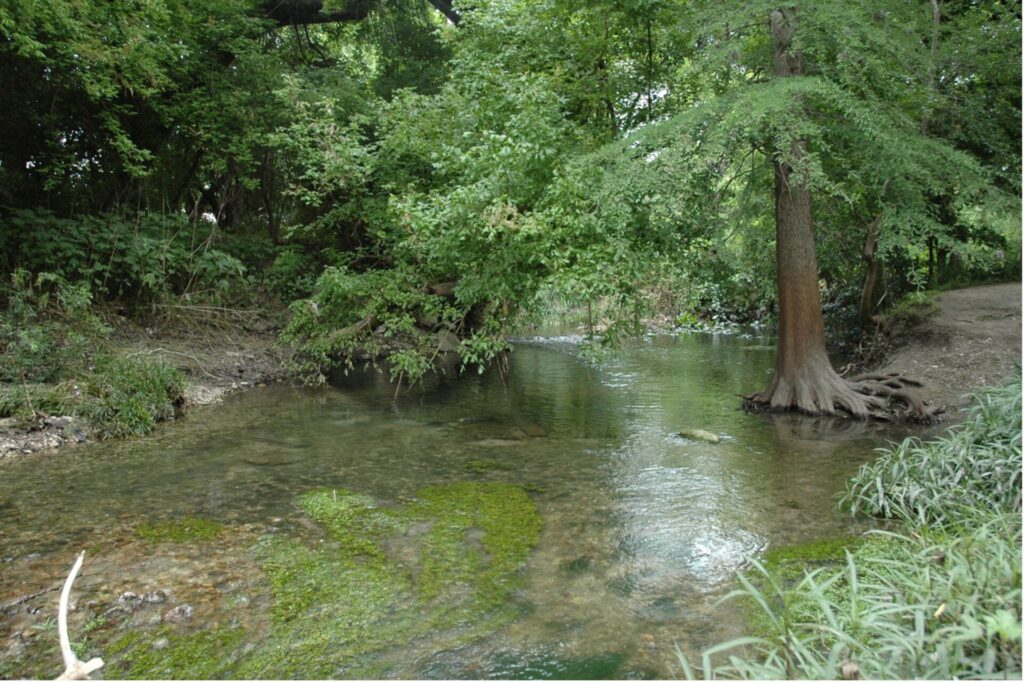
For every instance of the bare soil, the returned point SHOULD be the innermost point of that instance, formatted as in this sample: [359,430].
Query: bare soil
[217,357]
[973,340]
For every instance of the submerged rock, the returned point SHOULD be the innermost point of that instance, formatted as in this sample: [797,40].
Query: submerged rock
[533,430]
[155,597]
[178,614]
[700,434]
[129,599]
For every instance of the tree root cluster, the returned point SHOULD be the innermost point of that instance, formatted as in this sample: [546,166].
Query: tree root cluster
[887,397]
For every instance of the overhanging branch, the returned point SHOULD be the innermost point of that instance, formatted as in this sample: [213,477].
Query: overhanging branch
[300,12]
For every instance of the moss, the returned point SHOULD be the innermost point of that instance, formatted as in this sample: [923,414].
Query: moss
[188,529]
[480,466]
[550,666]
[349,604]
[166,654]
[339,605]
[829,550]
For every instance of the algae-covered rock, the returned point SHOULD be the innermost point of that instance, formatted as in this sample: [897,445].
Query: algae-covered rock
[187,529]
[699,434]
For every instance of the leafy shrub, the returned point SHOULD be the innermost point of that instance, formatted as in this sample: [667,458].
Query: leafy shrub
[137,259]
[127,396]
[292,275]
[977,465]
[374,313]
[47,330]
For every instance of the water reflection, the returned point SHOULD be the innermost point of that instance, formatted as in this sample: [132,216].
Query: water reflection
[643,530]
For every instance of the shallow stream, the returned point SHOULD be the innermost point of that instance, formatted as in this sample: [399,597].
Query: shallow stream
[642,530]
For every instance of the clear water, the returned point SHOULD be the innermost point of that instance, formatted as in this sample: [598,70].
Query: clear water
[643,530]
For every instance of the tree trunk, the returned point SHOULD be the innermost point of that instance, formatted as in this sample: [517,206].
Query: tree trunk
[867,295]
[804,379]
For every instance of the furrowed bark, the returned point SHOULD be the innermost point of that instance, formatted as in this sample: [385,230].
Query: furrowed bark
[804,379]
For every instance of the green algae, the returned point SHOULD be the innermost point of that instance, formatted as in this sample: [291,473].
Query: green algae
[166,654]
[790,561]
[549,666]
[347,602]
[187,529]
[480,466]
[341,604]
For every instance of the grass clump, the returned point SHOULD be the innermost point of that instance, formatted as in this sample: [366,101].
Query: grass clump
[188,529]
[125,397]
[976,465]
[939,599]
[55,359]
[27,400]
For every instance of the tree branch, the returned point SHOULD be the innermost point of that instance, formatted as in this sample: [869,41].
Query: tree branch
[304,12]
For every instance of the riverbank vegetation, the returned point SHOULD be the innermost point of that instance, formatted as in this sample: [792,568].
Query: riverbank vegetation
[417,181]
[413,179]
[936,596]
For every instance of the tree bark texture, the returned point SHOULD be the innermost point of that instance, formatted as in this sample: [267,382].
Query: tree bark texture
[804,379]
[874,268]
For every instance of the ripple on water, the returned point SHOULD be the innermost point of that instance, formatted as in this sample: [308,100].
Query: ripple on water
[642,531]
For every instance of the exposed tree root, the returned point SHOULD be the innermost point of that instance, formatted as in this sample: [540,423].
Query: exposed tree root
[885,397]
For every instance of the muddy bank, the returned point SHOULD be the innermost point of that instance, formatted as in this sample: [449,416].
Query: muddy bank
[215,362]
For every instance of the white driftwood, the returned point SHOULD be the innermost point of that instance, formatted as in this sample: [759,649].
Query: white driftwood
[74,669]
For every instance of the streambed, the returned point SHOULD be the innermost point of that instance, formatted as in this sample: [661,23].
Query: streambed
[640,530]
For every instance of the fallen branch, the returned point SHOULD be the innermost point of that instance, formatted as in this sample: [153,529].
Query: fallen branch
[74,669]
[27,597]
[174,352]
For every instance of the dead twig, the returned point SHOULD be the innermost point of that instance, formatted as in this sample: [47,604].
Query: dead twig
[27,597]
[174,352]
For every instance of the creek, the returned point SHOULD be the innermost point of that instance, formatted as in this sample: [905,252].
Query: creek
[642,531]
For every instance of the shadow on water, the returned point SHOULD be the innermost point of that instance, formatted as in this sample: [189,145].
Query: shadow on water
[643,529]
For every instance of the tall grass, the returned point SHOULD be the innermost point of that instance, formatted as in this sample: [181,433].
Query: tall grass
[940,599]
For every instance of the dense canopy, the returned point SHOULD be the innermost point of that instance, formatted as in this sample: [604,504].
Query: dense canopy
[414,177]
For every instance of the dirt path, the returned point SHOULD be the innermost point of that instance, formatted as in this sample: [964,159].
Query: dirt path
[973,340]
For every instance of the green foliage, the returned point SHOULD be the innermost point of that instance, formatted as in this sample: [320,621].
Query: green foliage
[187,529]
[28,400]
[50,336]
[48,330]
[138,260]
[977,466]
[291,275]
[923,605]
[125,397]
[938,600]
[374,312]
[910,311]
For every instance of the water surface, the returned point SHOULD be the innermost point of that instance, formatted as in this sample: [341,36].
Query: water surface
[643,530]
